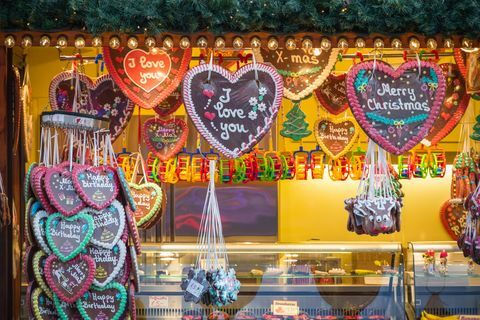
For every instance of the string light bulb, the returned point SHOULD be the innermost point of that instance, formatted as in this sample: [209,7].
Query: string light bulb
[432,44]
[62,41]
[255,42]
[378,43]
[80,42]
[360,43]
[202,42]
[27,41]
[184,43]
[467,43]
[342,43]
[168,42]
[290,44]
[132,43]
[114,42]
[9,41]
[448,43]
[97,42]
[238,43]
[150,42]
[307,43]
[44,41]
[272,43]
[396,43]
[325,44]
[219,43]
[414,44]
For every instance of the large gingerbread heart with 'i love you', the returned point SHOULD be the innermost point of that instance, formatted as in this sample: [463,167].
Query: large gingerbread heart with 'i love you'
[453,217]
[336,136]
[69,280]
[332,94]
[68,236]
[100,98]
[165,138]
[97,186]
[60,191]
[453,107]
[396,107]
[108,302]
[147,76]
[233,111]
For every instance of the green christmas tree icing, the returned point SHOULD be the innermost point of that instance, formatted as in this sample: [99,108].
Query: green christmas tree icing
[295,127]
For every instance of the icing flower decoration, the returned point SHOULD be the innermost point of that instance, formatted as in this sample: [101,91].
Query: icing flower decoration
[253,101]
[252,115]
[262,107]
[262,91]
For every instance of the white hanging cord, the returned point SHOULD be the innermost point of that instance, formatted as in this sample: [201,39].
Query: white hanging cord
[255,68]
[42,143]
[210,67]
[419,65]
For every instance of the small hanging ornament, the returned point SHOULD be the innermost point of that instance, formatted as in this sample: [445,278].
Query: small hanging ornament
[295,127]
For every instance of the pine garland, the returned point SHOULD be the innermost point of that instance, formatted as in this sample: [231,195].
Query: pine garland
[220,16]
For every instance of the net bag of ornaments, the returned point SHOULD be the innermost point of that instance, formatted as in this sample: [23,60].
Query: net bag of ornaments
[376,208]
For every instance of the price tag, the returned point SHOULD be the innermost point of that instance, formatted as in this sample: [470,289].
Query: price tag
[285,308]
[195,288]
[158,302]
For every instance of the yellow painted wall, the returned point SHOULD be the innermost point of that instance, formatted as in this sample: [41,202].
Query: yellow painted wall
[307,209]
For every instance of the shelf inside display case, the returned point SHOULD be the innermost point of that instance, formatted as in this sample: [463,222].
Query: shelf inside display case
[325,280]
[431,288]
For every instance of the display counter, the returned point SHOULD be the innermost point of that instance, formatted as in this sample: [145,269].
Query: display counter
[351,280]
[431,288]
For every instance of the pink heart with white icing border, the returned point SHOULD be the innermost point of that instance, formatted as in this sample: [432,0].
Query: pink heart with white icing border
[97,186]
[395,107]
[69,280]
[38,186]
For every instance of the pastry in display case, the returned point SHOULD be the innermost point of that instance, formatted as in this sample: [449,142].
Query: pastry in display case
[440,280]
[355,280]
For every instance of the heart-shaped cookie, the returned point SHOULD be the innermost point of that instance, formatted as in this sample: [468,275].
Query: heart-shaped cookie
[37,179]
[460,57]
[135,270]
[109,224]
[67,236]
[71,279]
[453,107]
[396,108]
[39,227]
[170,104]
[27,263]
[165,138]
[100,98]
[127,195]
[108,262]
[27,185]
[97,186]
[132,227]
[147,77]
[28,234]
[42,305]
[103,303]
[66,311]
[332,94]
[148,200]
[132,308]
[336,136]
[302,70]
[28,298]
[453,217]
[233,111]
[60,191]
[39,271]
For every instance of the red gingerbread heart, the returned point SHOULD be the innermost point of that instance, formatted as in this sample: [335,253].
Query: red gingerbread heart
[147,69]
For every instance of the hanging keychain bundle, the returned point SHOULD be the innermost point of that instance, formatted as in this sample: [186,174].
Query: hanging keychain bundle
[78,258]
[376,208]
[211,282]
[469,240]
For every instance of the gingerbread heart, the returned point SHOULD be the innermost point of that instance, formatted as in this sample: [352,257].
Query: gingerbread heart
[132,227]
[27,185]
[460,57]
[67,236]
[148,200]
[233,111]
[127,195]
[28,234]
[336,136]
[332,94]
[109,224]
[69,280]
[165,138]
[60,191]
[42,305]
[27,263]
[103,303]
[135,270]
[97,186]
[302,70]
[39,272]
[453,217]
[132,308]
[147,77]
[108,262]
[170,104]
[453,107]
[100,98]
[38,187]
[396,107]
[39,225]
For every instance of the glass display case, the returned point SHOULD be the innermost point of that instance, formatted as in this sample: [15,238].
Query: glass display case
[438,288]
[321,280]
